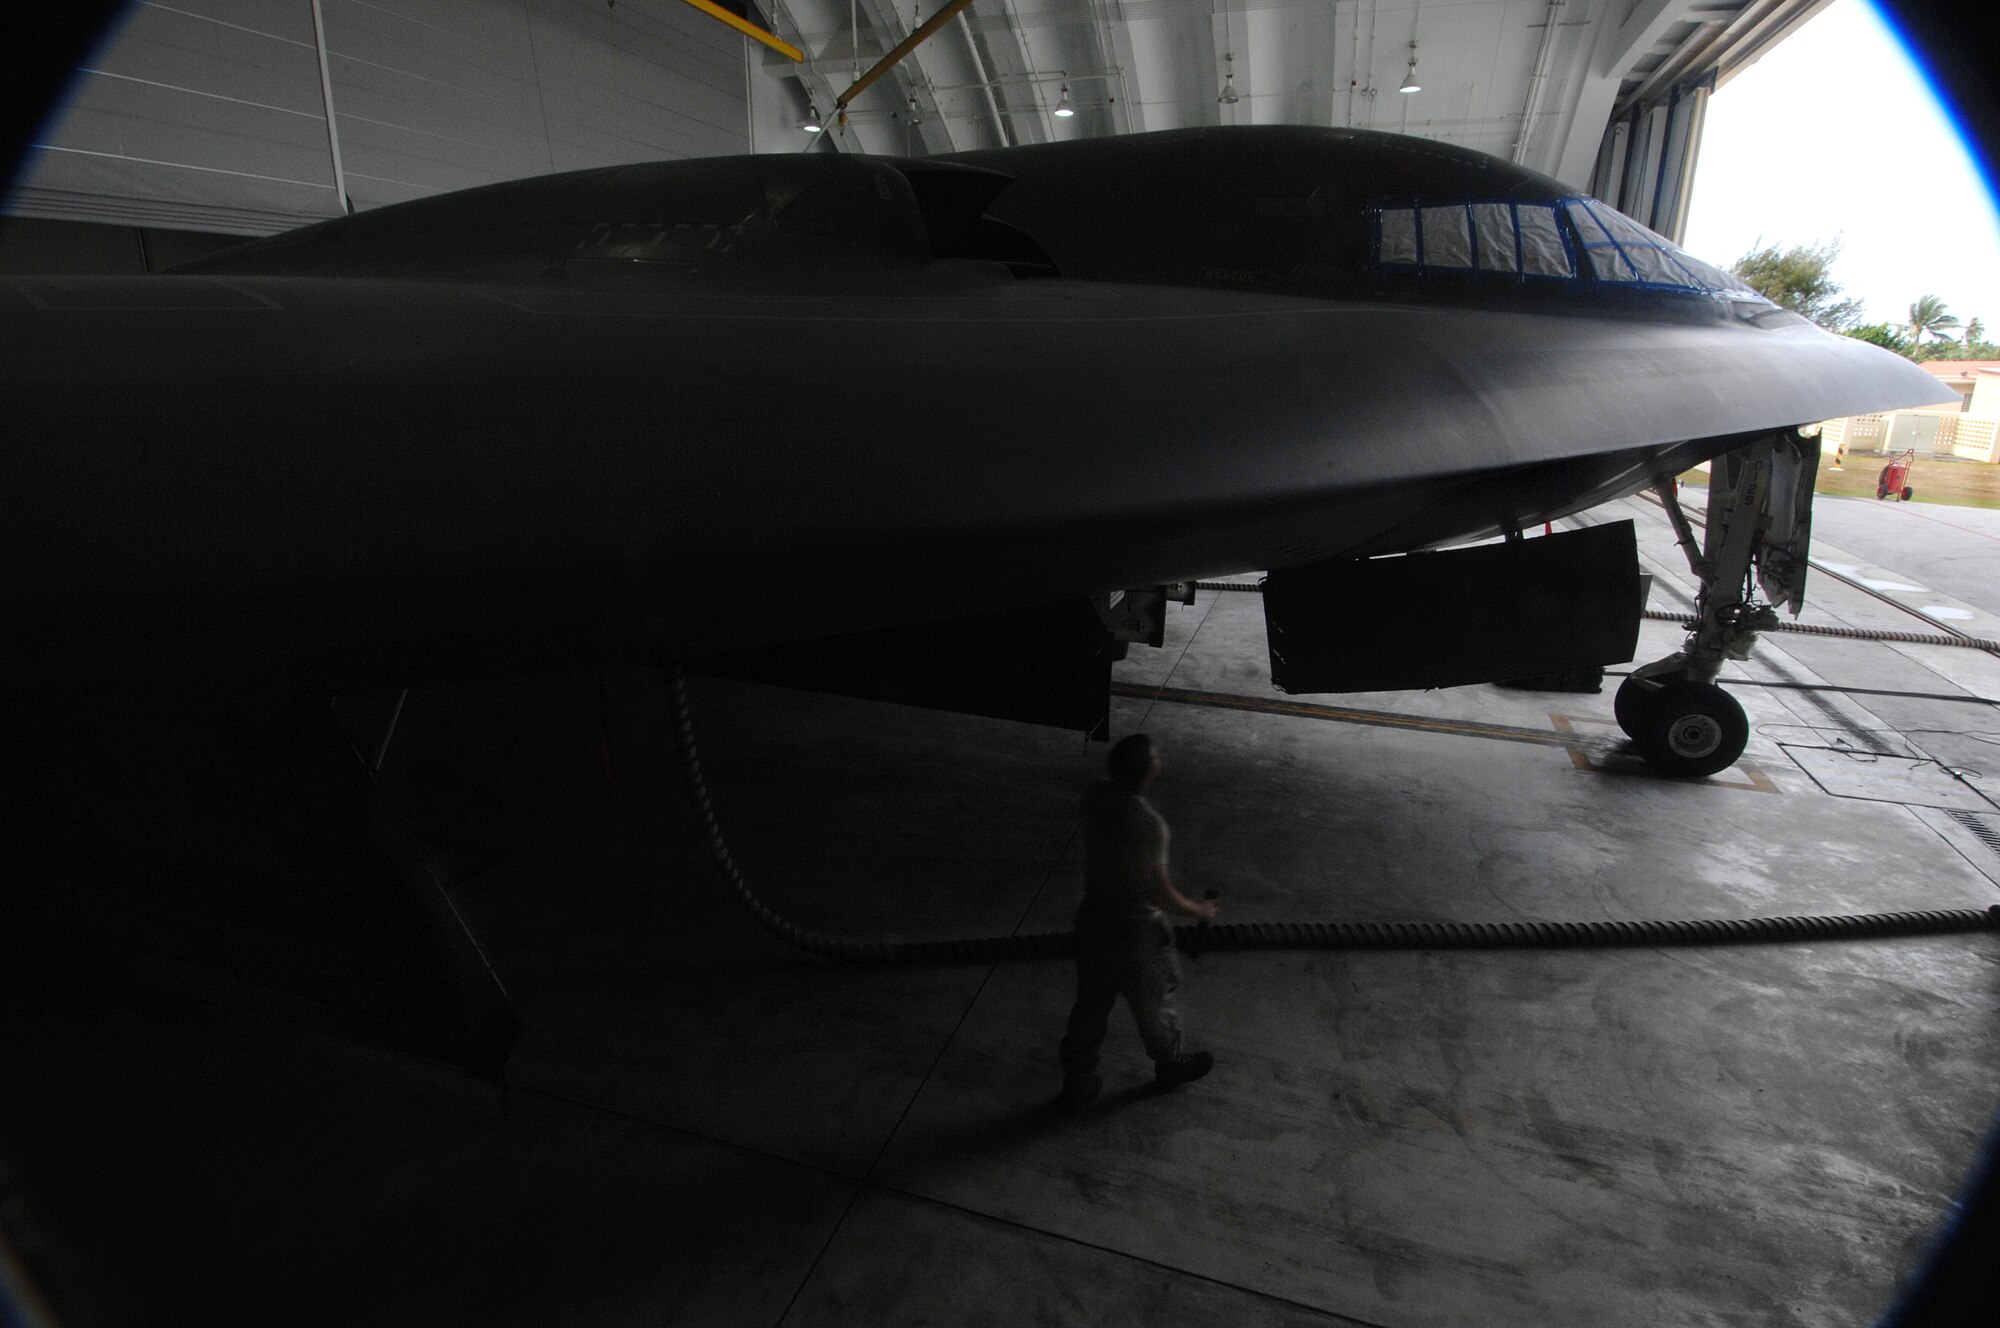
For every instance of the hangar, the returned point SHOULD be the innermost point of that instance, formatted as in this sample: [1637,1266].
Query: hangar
[215,117]
[244,1016]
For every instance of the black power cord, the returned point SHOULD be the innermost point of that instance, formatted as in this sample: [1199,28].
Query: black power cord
[1604,934]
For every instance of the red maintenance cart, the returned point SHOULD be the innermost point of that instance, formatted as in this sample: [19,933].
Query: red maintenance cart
[1894,481]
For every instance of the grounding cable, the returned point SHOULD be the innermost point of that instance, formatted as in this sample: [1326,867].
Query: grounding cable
[1689,620]
[1602,934]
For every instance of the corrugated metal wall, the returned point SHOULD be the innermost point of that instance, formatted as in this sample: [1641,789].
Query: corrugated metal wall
[209,115]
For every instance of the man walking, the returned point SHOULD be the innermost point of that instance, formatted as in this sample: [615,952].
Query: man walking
[1123,943]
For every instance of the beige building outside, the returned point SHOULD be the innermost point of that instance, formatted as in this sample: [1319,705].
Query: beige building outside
[1968,428]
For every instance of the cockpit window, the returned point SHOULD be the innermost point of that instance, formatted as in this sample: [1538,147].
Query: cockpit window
[1606,261]
[1530,240]
[1447,237]
[1493,232]
[1543,253]
[1505,239]
[1397,238]
[1622,252]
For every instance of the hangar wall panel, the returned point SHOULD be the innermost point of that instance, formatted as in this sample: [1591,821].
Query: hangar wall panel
[208,114]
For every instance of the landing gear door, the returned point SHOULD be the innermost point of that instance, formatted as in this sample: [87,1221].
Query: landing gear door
[1781,554]
[1554,604]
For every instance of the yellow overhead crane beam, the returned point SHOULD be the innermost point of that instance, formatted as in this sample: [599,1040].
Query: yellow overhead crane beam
[776,43]
[908,44]
[791,52]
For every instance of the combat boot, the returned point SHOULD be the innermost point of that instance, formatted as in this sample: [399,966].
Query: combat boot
[1182,1069]
[1079,1090]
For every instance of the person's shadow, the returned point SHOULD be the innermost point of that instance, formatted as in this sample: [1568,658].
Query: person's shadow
[977,1140]
[1100,1105]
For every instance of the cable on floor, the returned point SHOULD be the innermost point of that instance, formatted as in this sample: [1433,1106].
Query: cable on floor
[1596,934]
[1688,620]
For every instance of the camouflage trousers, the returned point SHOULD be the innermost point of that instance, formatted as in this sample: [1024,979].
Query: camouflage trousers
[1129,957]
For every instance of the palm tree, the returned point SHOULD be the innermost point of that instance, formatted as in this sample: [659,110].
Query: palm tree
[1928,318]
[1975,332]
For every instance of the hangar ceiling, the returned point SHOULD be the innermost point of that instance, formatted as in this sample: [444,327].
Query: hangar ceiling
[214,114]
[1532,80]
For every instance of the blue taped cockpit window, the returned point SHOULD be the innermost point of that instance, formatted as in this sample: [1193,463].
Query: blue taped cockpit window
[1505,239]
[1398,242]
[1623,252]
[1493,237]
[1447,239]
[1651,256]
[1543,253]
[1714,278]
[1528,240]
[1607,262]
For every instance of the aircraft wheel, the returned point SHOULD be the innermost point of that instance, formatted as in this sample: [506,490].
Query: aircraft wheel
[1629,706]
[1693,729]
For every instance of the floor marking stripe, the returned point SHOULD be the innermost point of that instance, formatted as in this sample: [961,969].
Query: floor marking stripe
[1563,735]
[1755,780]
[1341,715]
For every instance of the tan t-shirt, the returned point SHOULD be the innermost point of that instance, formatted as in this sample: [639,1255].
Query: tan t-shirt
[1124,847]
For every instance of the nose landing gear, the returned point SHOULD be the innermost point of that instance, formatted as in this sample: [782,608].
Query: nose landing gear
[1759,523]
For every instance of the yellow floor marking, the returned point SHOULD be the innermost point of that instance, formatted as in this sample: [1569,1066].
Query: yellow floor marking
[1755,780]
[1336,714]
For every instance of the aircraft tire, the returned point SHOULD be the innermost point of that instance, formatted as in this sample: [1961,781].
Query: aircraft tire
[1693,729]
[1629,706]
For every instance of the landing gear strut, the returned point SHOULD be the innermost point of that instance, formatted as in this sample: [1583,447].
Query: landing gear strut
[1759,523]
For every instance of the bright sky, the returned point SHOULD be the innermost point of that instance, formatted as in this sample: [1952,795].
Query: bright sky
[1836,134]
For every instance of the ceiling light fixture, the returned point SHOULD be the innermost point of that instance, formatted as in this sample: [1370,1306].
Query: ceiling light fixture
[1063,109]
[1228,97]
[811,124]
[1410,83]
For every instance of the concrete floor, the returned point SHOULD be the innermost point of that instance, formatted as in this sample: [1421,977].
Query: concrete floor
[1955,550]
[702,1126]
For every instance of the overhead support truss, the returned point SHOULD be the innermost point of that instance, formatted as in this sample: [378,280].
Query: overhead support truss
[903,48]
[896,106]
[820,90]
[1607,95]
[962,74]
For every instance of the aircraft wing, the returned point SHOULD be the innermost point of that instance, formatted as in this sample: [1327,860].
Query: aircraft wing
[485,434]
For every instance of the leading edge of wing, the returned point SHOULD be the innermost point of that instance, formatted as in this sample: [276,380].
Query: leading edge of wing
[317,469]
[1437,386]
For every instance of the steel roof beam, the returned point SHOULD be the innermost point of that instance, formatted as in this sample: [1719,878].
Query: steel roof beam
[1644,27]
[1114,39]
[820,90]
[914,76]
[1013,51]
[1725,48]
